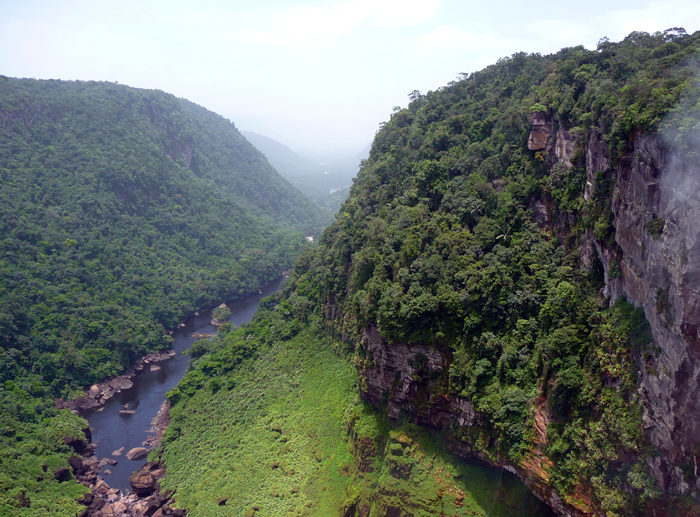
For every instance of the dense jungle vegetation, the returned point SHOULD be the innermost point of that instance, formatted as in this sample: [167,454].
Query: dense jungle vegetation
[442,242]
[438,243]
[121,212]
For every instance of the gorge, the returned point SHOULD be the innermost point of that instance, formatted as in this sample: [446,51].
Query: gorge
[509,291]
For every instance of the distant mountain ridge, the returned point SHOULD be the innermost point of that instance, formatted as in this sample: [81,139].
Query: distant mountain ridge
[327,184]
[281,157]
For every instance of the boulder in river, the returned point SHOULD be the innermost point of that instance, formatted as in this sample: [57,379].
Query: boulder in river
[137,453]
[120,383]
[116,509]
[101,487]
[145,507]
[143,483]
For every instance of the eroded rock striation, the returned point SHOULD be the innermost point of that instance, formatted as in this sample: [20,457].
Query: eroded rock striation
[410,379]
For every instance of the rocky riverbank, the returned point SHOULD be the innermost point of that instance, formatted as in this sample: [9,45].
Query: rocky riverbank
[100,393]
[103,500]
[146,500]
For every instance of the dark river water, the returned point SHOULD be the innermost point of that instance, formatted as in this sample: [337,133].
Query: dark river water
[112,430]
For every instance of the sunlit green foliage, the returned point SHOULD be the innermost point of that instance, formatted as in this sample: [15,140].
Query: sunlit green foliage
[123,210]
[32,449]
[121,214]
[221,313]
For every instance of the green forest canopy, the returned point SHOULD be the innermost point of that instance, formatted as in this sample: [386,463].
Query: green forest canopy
[437,244]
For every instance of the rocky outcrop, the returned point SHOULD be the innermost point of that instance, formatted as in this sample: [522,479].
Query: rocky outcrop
[146,499]
[143,483]
[657,223]
[137,453]
[402,373]
[654,261]
[540,133]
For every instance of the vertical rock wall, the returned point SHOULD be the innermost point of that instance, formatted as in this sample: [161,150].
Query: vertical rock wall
[410,380]
[656,204]
[657,227]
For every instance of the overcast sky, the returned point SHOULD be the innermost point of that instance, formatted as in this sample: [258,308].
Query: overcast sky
[316,75]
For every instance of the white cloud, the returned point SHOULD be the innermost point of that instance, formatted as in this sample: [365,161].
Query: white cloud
[323,25]
[561,32]
[398,13]
[656,17]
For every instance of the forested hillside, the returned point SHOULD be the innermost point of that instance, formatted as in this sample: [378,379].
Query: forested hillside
[477,270]
[121,212]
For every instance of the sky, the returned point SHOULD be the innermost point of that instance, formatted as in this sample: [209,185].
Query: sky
[318,75]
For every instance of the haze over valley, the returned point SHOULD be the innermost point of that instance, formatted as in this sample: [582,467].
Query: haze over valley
[326,180]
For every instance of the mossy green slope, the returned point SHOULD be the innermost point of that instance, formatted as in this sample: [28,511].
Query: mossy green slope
[267,434]
[284,432]
[27,483]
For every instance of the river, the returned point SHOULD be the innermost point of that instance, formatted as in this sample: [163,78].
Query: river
[112,430]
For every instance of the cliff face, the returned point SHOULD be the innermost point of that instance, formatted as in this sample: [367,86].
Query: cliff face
[653,261]
[657,228]
[656,207]
[481,261]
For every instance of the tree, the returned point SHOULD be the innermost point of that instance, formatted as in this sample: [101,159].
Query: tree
[221,313]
